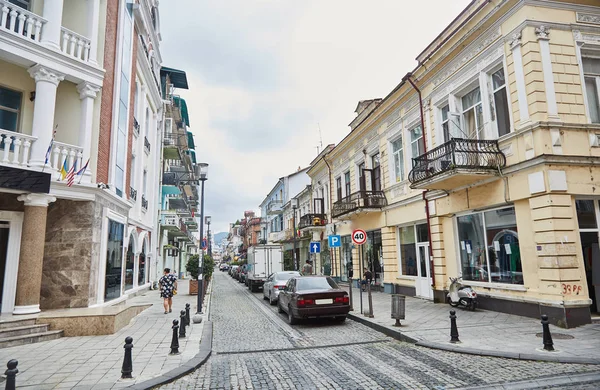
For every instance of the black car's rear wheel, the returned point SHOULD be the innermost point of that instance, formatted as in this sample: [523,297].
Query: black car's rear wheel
[279,309]
[291,319]
[340,319]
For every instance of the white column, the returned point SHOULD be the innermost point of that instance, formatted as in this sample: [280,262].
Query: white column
[52,12]
[543,33]
[46,82]
[87,94]
[515,45]
[93,17]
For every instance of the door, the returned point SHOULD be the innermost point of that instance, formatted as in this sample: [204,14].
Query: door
[4,230]
[423,281]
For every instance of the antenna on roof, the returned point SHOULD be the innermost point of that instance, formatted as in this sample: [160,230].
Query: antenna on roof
[320,135]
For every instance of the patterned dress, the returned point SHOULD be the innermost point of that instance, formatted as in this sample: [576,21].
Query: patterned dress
[167,285]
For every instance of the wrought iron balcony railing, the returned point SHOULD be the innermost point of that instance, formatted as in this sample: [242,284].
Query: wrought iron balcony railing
[147,144]
[136,125]
[144,203]
[359,200]
[309,220]
[132,193]
[470,154]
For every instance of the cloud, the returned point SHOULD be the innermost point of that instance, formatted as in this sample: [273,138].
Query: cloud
[265,74]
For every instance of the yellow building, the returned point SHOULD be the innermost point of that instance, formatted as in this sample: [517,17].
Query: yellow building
[482,163]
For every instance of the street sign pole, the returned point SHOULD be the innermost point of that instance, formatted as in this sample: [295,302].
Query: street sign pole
[360,264]
[359,237]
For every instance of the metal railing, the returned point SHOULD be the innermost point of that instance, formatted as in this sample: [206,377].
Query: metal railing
[144,203]
[132,193]
[457,153]
[312,220]
[359,200]
[147,144]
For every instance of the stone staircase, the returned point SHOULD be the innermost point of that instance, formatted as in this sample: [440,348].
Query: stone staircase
[26,331]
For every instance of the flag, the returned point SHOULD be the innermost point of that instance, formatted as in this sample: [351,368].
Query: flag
[192,213]
[49,151]
[83,168]
[63,170]
[71,175]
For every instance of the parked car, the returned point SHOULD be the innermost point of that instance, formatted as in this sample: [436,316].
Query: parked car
[223,267]
[275,283]
[233,270]
[242,272]
[311,297]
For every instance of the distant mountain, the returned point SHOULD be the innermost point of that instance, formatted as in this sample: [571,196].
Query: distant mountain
[220,236]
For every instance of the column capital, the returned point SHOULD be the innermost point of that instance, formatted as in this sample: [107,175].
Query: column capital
[87,90]
[542,33]
[39,200]
[515,40]
[42,73]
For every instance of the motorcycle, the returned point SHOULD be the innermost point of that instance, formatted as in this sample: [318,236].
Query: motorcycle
[461,295]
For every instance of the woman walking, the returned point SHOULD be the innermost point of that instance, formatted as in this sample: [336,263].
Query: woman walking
[168,288]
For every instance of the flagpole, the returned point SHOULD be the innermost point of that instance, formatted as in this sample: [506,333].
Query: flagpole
[50,148]
[84,169]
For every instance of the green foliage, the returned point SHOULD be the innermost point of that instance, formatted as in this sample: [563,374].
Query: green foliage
[193,266]
[209,266]
[288,261]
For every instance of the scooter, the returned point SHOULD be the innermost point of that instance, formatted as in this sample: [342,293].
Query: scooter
[460,295]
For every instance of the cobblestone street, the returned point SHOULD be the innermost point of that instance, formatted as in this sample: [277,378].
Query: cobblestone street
[255,348]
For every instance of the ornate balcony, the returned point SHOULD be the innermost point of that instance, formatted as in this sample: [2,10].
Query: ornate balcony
[19,21]
[317,221]
[75,45]
[456,163]
[132,193]
[358,202]
[144,203]
[275,207]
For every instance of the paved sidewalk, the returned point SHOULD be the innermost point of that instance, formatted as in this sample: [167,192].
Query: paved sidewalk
[481,332]
[94,362]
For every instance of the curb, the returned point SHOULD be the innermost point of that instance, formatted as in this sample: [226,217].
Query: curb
[474,351]
[191,365]
[576,379]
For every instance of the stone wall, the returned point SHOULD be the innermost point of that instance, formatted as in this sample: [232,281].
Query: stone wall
[9,202]
[67,255]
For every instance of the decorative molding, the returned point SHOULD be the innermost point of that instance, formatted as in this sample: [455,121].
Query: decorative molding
[39,200]
[87,90]
[542,32]
[515,40]
[588,18]
[463,58]
[579,36]
[42,73]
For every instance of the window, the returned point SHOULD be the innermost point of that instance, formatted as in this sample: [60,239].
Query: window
[489,247]
[114,261]
[361,176]
[347,182]
[472,114]
[398,158]
[338,186]
[446,122]
[129,265]
[142,266]
[500,102]
[145,183]
[21,3]
[591,73]
[376,178]
[147,122]
[132,178]
[417,144]
[10,108]
[408,251]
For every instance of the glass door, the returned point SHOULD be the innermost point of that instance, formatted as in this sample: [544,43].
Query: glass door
[588,215]
[423,281]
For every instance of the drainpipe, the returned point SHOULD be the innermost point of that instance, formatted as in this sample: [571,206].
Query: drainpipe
[331,200]
[431,267]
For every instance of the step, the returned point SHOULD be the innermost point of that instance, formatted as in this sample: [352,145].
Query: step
[22,330]
[595,319]
[16,323]
[30,338]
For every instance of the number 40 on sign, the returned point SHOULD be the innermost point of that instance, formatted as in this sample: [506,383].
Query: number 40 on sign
[359,236]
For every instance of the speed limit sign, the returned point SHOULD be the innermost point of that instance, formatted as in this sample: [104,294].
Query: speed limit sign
[359,236]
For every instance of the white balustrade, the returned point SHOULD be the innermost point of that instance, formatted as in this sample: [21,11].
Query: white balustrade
[61,151]
[17,20]
[75,45]
[14,148]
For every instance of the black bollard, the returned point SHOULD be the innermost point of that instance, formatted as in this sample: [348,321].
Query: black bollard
[182,321]
[175,340]
[548,343]
[11,374]
[453,328]
[187,314]
[127,368]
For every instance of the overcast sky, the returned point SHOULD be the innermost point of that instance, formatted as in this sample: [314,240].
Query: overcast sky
[264,75]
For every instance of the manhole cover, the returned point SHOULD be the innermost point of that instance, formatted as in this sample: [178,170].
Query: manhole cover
[558,336]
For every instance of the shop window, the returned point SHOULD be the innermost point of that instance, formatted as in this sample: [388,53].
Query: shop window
[591,73]
[500,102]
[346,263]
[472,114]
[408,251]
[142,266]
[10,108]
[114,261]
[398,156]
[417,143]
[489,247]
[586,214]
[129,265]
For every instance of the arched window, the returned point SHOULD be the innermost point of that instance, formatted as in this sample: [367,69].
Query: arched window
[142,266]
[129,264]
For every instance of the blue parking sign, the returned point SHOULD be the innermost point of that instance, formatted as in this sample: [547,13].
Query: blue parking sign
[334,241]
[315,247]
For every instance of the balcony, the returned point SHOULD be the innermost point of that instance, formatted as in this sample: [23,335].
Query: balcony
[358,202]
[169,221]
[132,193]
[275,207]
[136,126]
[456,163]
[316,221]
[144,203]
[146,145]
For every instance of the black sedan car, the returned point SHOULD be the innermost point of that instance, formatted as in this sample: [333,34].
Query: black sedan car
[312,297]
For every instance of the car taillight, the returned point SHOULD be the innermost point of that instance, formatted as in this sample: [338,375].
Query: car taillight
[278,287]
[343,299]
[305,302]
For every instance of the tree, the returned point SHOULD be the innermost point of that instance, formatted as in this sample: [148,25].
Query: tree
[209,266]
[193,266]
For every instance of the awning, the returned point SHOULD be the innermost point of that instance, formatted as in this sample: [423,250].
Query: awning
[179,102]
[170,190]
[191,144]
[178,77]
[192,154]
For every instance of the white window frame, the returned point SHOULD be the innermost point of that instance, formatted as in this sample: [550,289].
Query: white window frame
[580,58]
[347,186]
[393,176]
[410,140]
[399,242]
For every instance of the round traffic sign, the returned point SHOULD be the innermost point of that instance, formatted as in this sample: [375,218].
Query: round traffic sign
[359,236]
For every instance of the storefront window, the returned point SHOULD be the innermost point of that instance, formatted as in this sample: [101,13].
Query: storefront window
[495,255]
[346,252]
[586,214]
[142,266]
[129,265]
[114,261]
[408,251]
[373,255]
